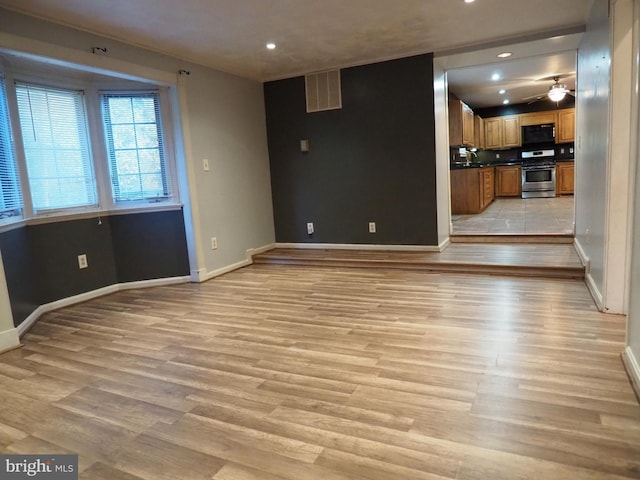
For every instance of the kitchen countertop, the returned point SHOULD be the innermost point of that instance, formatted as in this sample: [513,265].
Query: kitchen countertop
[507,163]
[463,165]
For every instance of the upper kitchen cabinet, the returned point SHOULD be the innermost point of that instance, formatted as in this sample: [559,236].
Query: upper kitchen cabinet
[566,126]
[461,123]
[538,118]
[493,132]
[502,132]
[479,133]
[511,131]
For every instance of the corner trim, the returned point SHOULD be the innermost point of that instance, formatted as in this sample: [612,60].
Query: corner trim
[588,278]
[9,339]
[362,246]
[100,292]
[633,369]
[444,244]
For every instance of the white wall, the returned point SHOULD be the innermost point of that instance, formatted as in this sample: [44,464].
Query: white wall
[442,153]
[604,180]
[592,127]
[632,352]
[224,121]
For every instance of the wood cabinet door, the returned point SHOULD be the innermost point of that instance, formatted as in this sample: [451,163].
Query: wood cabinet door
[538,118]
[511,131]
[493,132]
[478,130]
[508,181]
[566,126]
[468,137]
[564,178]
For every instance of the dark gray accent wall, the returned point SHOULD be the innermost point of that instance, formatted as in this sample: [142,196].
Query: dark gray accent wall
[22,282]
[371,161]
[149,245]
[41,261]
[54,251]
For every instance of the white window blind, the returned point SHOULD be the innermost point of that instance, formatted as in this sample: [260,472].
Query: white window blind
[56,147]
[135,146]
[10,193]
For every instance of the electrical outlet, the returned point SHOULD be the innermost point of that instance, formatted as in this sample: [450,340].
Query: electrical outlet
[309,228]
[497,155]
[82,261]
[205,164]
[372,227]
[214,243]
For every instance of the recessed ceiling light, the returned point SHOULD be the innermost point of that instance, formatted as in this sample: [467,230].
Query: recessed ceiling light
[502,91]
[469,1]
[504,55]
[495,77]
[505,101]
[271,46]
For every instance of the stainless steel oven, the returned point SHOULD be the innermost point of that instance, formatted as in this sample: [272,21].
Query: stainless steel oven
[538,174]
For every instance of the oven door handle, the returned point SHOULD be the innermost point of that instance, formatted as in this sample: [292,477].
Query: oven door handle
[537,169]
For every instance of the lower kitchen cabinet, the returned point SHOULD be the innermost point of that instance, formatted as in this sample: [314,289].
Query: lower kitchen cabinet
[472,190]
[564,178]
[509,181]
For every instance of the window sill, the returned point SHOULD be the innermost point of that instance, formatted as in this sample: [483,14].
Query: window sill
[12,224]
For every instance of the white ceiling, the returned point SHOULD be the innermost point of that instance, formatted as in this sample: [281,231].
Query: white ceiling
[311,35]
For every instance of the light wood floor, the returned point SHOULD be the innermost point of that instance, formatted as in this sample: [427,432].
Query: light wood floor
[302,373]
[518,216]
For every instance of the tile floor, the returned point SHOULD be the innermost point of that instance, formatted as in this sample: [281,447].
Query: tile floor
[519,216]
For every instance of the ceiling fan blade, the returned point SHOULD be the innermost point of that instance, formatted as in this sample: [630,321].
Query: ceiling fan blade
[537,97]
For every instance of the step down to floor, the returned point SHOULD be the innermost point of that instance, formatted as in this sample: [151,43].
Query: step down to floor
[541,261]
[510,238]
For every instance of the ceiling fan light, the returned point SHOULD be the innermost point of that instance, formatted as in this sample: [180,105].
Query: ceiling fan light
[557,92]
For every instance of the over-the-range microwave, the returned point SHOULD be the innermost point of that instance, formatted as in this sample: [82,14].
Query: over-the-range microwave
[543,133]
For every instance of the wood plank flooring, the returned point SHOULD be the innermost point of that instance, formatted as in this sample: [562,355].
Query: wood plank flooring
[301,373]
[540,260]
[519,216]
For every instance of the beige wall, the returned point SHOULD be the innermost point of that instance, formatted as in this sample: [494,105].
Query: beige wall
[223,121]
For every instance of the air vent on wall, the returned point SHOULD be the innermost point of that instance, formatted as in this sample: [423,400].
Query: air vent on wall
[323,91]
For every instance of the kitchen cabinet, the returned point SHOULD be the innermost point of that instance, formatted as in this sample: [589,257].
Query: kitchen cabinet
[564,178]
[493,133]
[508,181]
[511,136]
[566,126]
[538,118]
[461,123]
[472,190]
[478,131]
[502,132]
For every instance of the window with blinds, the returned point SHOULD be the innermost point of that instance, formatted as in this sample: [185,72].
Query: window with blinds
[56,147]
[10,193]
[135,146]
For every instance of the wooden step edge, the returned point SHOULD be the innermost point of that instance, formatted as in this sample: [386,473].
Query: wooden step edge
[508,238]
[575,273]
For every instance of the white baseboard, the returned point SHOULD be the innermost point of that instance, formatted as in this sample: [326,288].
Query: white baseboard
[362,246]
[227,269]
[257,251]
[9,339]
[444,244]
[586,263]
[633,368]
[588,278]
[235,266]
[100,292]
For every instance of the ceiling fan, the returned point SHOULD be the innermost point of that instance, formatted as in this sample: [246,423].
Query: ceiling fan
[556,92]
